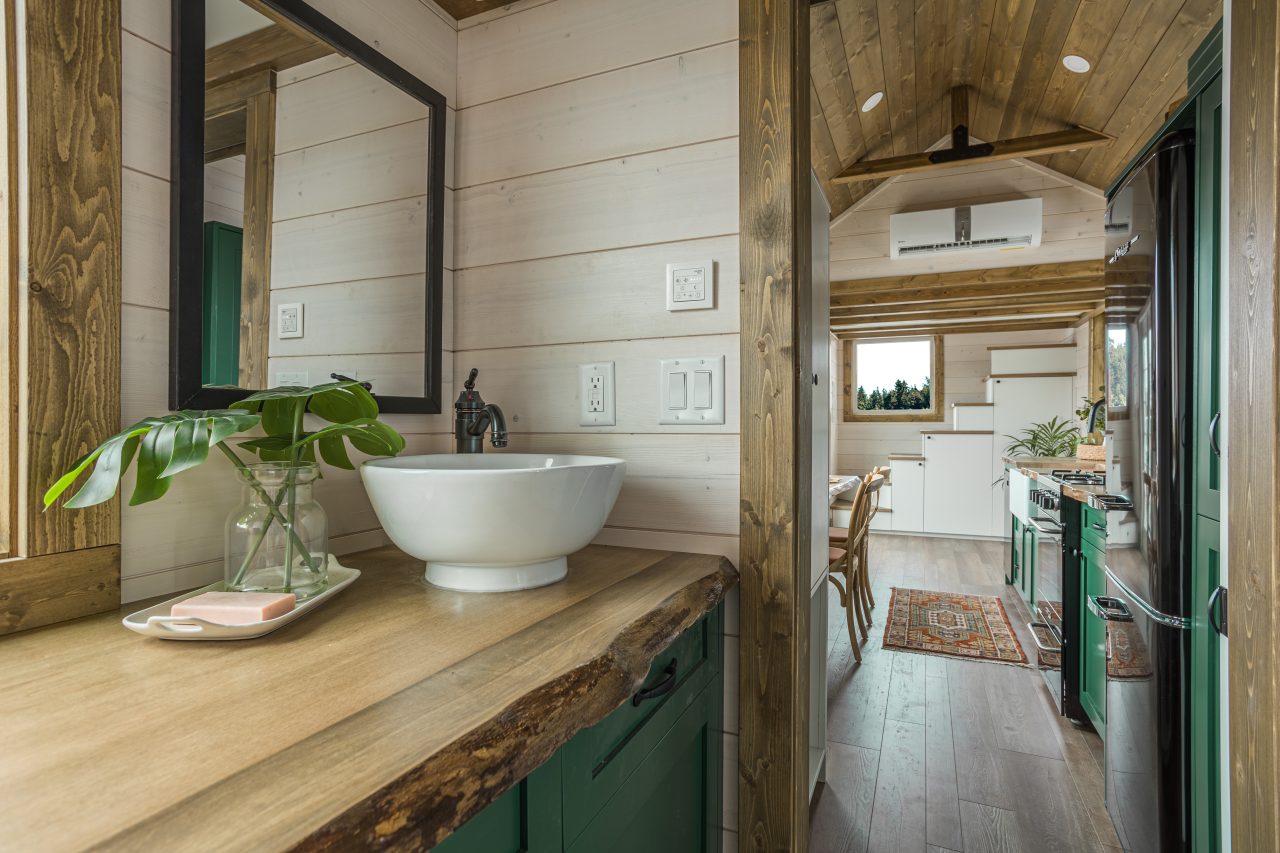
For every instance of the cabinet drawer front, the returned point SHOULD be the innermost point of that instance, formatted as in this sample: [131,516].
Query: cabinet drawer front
[671,802]
[1093,526]
[599,759]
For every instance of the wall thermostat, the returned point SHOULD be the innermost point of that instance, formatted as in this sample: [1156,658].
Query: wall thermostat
[691,285]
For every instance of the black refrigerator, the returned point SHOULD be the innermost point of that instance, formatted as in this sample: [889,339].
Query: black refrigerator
[1149,302]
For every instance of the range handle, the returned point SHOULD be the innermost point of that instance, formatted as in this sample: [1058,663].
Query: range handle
[1110,609]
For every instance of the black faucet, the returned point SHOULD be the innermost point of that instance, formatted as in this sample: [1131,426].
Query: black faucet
[472,416]
[1091,423]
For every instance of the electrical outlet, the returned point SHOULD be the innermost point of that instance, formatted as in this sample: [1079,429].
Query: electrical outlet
[300,378]
[595,394]
[289,320]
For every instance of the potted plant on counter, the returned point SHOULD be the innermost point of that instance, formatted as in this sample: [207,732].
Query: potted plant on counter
[1092,447]
[277,539]
[1053,438]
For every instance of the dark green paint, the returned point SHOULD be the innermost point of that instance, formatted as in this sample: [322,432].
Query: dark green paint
[220,357]
[645,778]
[1093,660]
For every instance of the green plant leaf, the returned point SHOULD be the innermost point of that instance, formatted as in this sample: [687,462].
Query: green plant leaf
[334,451]
[162,456]
[344,402]
[277,415]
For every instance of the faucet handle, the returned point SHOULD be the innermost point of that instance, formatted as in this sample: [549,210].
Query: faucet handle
[470,384]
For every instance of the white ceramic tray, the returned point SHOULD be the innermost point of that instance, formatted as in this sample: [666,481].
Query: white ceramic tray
[156,621]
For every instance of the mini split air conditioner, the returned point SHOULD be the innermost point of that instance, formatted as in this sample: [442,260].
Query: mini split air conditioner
[1003,225]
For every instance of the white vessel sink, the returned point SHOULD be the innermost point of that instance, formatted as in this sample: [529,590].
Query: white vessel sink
[493,522]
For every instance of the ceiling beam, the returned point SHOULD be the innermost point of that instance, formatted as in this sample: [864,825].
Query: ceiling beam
[890,316]
[270,48]
[959,328]
[1037,145]
[1021,290]
[994,275]
[1044,300]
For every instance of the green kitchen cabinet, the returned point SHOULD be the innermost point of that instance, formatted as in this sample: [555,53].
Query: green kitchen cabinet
[1027,580]
[647,777]
[1205,695]
[1015,552]
[1093,658]
[1207,401]
[220,353]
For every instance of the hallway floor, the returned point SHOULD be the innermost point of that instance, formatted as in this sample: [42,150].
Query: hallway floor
[938,754]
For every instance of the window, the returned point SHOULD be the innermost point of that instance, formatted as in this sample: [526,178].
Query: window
[893,380]
[1117,371]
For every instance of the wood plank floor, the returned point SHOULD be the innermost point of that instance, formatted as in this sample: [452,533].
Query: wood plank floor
[936,754]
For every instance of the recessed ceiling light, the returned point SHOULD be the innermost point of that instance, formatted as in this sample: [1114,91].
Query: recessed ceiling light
[871,103]
[1078,64]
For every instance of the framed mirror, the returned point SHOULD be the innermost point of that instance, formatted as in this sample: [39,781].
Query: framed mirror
[307,210]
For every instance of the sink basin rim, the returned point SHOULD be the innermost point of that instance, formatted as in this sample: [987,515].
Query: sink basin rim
[560,461]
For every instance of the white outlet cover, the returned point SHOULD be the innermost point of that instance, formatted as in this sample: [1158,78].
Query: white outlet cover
[691,285]
[301,378]
[596,403]
[691,376]
[289,320]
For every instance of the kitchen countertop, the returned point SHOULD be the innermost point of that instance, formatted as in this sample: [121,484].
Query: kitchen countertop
[1032,465]
[387,717]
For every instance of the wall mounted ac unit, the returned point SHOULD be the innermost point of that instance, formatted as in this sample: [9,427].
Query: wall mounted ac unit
[1002,225]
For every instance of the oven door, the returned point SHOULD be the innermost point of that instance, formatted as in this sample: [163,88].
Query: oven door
[1047,622]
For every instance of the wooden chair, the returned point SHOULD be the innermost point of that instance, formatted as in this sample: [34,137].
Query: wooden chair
[846,566]
[882,470]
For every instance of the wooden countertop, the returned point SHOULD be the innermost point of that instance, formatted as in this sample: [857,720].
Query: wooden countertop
[386,718]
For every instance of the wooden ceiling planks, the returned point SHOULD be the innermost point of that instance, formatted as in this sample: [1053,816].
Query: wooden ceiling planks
[1009,52]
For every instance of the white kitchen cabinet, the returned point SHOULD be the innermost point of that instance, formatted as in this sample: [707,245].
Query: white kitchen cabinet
[907,475]
[957,483]
[971,416]
[1040,358]
[1019,402]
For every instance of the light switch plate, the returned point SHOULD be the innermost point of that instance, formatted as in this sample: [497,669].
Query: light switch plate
[596,404]
[691,285]
[301,378]
[289,320]
[691,390]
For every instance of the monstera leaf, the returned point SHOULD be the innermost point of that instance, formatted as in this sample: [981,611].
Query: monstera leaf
[164,447]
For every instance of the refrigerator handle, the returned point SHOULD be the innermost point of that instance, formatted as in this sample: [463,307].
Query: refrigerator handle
[1218,610]
[1110,609]
[1213,434]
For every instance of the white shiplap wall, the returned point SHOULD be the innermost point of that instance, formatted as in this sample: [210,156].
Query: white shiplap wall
[597,142]
[860,249]
[176,543]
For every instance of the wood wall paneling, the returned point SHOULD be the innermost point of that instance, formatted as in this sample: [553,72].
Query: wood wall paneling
[1253,419]
[775,267]
[11,491]
[255,272]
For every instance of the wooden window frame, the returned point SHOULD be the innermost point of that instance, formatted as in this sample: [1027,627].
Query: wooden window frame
[63,564]
[937,379]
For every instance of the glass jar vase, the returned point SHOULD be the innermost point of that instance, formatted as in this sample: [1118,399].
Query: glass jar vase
[277,539]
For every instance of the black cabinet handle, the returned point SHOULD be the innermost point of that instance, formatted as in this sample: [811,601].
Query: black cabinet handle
[1218,610]
[663,687]
[1213,434]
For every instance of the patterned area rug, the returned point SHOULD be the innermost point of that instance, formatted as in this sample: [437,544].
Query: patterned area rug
[949,623]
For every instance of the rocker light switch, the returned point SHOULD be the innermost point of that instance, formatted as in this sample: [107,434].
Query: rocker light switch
[691,391]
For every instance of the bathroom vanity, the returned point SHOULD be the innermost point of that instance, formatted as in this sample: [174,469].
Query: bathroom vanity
[396,715]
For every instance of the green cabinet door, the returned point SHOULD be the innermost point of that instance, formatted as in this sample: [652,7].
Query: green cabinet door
[1204,723]
[1093,659]
[670,803]
[220,352]
[525,819]
[1207,433]
[1015,553]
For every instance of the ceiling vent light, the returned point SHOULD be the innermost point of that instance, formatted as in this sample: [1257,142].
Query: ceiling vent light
[871,103]
[1077,64]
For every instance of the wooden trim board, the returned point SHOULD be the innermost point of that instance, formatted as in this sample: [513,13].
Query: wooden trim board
[40,591]
[1251,526]
[774,210]
[10,293]
[74,240]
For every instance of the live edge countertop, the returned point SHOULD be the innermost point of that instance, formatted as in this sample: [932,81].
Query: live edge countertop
[386,718]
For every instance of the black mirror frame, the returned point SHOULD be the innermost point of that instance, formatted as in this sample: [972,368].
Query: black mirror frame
[186,206]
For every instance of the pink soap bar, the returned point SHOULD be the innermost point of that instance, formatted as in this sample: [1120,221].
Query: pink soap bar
[236,608]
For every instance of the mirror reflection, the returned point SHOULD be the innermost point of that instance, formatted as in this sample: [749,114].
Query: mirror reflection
[315,214]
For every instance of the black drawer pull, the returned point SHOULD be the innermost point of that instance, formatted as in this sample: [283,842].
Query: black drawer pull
[663,687]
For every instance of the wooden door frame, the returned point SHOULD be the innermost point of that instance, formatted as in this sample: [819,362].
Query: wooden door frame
[65,563]
[774,564]
[1253,418]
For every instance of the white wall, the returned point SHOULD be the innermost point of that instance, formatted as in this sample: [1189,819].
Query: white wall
[597,142]
[176,543]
